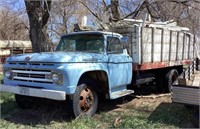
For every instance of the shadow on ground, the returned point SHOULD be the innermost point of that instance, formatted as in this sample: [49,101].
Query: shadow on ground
[42,113]
[106,105]
[49,110]
[172,114]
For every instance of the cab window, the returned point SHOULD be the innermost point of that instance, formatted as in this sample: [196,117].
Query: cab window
[114,45]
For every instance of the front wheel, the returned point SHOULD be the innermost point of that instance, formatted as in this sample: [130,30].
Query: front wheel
[85,98]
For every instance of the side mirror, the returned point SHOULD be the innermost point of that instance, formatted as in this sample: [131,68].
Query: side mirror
[124,40]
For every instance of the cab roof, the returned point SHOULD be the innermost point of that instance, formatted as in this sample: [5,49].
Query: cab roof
[92,32]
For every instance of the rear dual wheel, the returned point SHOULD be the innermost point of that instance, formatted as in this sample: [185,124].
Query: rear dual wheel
[170,77]
[164,81]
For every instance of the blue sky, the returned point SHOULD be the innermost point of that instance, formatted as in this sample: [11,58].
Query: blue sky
[19,4]
[16,4]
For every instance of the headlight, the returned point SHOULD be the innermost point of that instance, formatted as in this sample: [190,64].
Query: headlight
[57,78]
[8,74]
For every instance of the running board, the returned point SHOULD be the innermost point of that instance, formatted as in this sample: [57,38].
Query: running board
[118,94]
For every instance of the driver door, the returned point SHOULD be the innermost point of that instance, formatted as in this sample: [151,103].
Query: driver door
[119,64]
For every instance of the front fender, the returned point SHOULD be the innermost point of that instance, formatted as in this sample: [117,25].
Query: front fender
[73,72]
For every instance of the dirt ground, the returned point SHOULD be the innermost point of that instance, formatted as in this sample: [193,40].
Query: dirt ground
[150,100]
[146,103]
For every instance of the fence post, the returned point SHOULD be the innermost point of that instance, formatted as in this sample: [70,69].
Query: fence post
[197,64]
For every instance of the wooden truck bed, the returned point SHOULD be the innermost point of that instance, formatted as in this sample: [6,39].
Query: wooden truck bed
[186,89]
[154,45]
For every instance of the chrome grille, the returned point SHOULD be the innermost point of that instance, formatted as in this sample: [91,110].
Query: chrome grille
[32,75]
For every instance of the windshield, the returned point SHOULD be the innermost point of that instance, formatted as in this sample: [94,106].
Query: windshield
[81,43]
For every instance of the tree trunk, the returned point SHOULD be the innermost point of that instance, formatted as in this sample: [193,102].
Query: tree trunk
[114,10]
[38,13]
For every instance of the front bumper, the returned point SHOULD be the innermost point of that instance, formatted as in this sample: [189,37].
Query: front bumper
[42,93]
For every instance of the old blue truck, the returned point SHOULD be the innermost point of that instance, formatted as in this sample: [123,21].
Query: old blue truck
[89,64]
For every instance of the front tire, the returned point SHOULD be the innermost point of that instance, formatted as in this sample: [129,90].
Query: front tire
[85,99]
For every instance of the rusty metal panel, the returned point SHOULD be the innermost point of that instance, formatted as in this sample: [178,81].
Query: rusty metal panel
[155,65]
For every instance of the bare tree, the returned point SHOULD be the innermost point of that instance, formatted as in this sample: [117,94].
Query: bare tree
[38,14]
[114,7]
[13,25]
[101,13]
[64,14]
[184,12]
[60,20]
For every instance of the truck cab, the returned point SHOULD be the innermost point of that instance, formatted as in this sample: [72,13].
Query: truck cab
[84,66]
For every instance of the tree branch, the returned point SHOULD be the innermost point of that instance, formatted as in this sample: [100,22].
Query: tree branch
[95,15]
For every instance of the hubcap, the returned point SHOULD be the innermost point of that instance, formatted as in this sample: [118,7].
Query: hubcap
[86,99]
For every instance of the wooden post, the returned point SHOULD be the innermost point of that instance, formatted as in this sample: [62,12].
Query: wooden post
[189,46]
[177,43]
[162,41]
[152,44]
[183,50]
[170,45]
[141,44]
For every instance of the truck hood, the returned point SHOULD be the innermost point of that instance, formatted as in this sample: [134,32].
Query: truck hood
[59,57]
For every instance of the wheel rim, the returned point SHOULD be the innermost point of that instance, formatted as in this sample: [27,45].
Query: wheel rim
[86,99]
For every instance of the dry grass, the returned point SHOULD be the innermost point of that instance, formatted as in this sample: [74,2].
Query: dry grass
[127,112]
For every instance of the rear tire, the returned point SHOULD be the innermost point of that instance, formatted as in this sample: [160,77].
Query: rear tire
[170,77]
[85,99]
